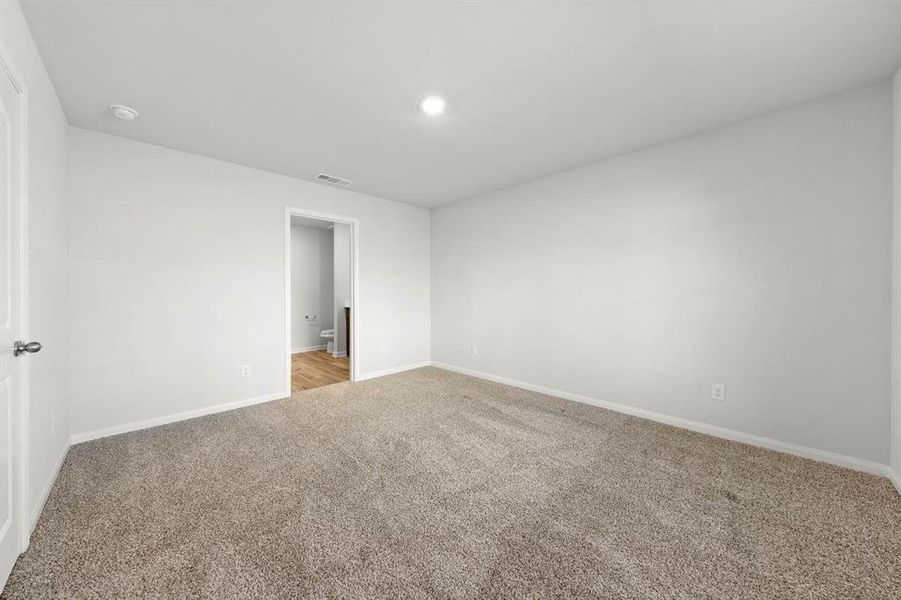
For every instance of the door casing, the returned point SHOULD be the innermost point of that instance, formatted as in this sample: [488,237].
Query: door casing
[354,287]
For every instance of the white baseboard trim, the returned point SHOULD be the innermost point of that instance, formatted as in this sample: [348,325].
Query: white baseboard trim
[841,460]
[895,478]
[339,354]
[48,485]
[393,370]
[308,349]
[87,436]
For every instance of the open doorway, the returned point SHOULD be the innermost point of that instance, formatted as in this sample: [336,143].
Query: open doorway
[319,285]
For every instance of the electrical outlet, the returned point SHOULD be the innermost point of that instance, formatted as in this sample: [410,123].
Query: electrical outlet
[475,350]
[245,370]
[718,392]
[384,348]
[52,423]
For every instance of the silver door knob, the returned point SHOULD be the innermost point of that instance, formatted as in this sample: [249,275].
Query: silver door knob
[31,347]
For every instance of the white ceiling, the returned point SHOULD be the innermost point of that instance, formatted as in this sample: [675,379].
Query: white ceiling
[533,88]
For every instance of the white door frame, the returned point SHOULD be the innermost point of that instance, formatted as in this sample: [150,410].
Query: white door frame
[20,301]
[291,211]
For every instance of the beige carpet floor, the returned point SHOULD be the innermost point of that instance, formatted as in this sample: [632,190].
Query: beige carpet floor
[430,484]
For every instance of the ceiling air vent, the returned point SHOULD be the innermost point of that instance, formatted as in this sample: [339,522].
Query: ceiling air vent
[332,179]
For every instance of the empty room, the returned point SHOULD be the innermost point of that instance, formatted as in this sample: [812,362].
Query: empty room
[449,299]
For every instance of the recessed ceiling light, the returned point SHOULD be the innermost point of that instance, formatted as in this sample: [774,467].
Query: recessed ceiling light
[433,105]
[125,113]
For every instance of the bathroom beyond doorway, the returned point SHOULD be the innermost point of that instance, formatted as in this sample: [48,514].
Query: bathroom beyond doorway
[320,291]
[317,368]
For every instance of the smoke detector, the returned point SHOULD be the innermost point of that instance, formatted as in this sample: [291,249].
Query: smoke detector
[124,113]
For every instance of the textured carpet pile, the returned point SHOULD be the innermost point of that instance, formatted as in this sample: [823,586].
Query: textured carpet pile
[436,485]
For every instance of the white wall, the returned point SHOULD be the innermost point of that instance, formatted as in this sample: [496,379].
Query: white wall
[342,294]
[177,268]
[756,255]
[896,283]
[49,410]
[312,286]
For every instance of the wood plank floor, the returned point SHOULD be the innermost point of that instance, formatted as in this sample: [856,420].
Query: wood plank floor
[318,368]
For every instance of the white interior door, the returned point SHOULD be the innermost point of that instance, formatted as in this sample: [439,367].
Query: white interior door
[11,519]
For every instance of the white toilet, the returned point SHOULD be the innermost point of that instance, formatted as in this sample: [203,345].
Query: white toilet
[329,336]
